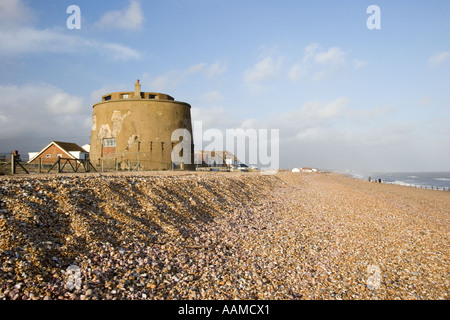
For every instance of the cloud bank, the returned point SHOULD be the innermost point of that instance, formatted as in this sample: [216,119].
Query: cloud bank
[50,114]
[130,18]
[19,37]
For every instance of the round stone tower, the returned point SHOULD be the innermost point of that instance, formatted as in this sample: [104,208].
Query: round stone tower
[134,130]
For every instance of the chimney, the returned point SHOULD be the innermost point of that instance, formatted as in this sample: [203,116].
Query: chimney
[137,90]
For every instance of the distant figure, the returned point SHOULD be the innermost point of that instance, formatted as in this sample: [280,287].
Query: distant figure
[17,155]
[370,179]
[379,180]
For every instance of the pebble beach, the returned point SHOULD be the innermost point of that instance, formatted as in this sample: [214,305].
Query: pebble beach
[213,235]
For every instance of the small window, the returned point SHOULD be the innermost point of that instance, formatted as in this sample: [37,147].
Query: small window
[152,96]
[48,155]
[59,155]
[111,142]
[125,96]
[107,98]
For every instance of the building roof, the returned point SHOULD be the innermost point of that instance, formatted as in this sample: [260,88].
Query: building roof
[69,146]
[216,154]
[66,147]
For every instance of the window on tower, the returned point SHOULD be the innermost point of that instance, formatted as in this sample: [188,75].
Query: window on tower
[110,142]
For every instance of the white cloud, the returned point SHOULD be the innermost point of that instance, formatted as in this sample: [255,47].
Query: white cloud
[336,135]
[117,51]
[35,111]
[30,40]
[297,72]
[208,71]
[216,69]
[358,64]
[63,103]
[311,51]
[268,67]
[318,63]
[18,37]
[196,68]
[171,79]
[334,57]
[13,14]
[439,58]
[47,100]
[165,82]
[130,18]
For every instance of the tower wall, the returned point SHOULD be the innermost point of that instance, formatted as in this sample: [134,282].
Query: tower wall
[128,131]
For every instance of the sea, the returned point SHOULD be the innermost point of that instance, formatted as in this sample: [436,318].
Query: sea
[427,180]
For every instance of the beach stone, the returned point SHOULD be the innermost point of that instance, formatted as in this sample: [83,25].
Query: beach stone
[191,235]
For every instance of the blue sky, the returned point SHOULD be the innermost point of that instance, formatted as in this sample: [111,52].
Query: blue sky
[342,96]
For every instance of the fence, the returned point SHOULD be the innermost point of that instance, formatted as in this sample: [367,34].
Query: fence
[75,164]
[222,169]
[139,161]
[114,164]
[12,165]
[417,186]
[421,186]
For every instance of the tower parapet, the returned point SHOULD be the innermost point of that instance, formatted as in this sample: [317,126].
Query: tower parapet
[134,130]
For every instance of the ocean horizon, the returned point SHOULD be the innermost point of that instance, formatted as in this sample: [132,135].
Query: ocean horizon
[438,180]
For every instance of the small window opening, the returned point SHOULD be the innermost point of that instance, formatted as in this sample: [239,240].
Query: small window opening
[110,142]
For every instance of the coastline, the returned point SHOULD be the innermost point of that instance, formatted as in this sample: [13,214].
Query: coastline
[439,180]
[222,236]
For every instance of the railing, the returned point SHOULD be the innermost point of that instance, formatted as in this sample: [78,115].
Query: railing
[417,186]
[420,186]
[13,165]
[221,169]
[114,164]
[75,165]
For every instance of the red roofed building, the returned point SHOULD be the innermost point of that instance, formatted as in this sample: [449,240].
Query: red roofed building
[55,149]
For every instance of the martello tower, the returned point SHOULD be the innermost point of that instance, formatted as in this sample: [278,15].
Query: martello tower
[134,130]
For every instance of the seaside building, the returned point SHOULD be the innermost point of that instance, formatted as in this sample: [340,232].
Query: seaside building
[133,130]
[216,159]
[305,169]
[55,149]
[219,159]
